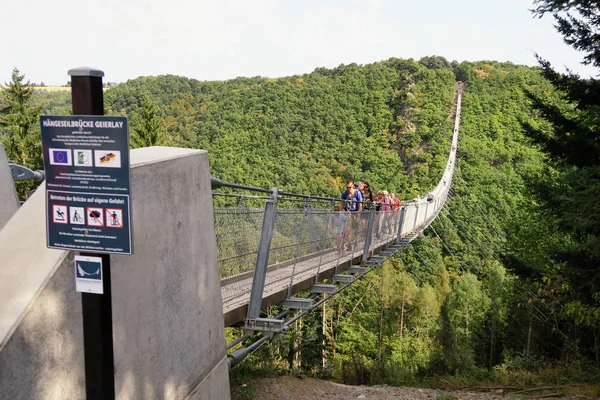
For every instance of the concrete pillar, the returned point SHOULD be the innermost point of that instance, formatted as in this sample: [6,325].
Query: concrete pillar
[9,202]
[167,311]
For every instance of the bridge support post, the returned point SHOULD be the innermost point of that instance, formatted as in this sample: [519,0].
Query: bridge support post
[311,226]
[416,216]
[401,223]
[262,259]
[368,237]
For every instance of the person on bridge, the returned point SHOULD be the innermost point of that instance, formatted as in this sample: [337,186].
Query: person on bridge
[352,201]
[396,202]
[369,200]
[337,227]
[383,205]
[361,188]
[352,198]
[367,195]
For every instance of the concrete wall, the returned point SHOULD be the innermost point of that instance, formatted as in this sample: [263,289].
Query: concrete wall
[167,313]
[9,203]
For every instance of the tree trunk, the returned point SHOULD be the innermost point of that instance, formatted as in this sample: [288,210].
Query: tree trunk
[596,345]
[381,316]
[492,343]
[297,338]
[528,337]
[467,318]
[402,313]
[323,327]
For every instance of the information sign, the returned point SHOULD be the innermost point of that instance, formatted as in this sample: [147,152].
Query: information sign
[87,183]
[88,274]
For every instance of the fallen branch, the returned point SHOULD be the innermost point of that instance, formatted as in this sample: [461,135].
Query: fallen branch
[484,388]
[543,396]
[536,389]
[456,387]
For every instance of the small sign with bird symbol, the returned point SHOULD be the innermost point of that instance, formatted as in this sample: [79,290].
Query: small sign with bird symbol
[88,274]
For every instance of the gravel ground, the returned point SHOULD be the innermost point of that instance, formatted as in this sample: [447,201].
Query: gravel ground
[292,388]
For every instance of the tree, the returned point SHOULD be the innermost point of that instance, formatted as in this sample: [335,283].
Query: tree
[466,309]
[147,126]
[574,138]
[19,121]
[576,135]
[581,32]
[19,128]
[571,187]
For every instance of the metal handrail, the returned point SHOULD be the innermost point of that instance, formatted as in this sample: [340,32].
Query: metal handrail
[217,183]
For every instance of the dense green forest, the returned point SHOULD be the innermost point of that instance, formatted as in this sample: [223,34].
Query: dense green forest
[503,286]
[383,122]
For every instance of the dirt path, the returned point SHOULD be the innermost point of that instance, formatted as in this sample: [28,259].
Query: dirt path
[292,388]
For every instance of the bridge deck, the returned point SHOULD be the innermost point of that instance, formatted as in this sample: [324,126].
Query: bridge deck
[279,276]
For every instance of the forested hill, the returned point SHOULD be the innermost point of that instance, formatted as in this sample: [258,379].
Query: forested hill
[386,122]
[506,279]
[483,288]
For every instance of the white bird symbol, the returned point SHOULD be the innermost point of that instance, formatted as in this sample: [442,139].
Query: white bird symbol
[83,273]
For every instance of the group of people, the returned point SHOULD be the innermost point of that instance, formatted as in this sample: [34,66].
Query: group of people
[359,199]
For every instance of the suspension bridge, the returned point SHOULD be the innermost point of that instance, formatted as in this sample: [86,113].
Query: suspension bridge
[268,255]
[199,264]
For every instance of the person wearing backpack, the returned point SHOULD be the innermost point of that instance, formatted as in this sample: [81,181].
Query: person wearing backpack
[353,198]
[353,202]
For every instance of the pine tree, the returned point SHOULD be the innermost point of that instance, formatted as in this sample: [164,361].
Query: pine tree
[19,122]
[147,126]
[574,141]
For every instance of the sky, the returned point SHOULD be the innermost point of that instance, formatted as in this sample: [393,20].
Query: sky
[218,40]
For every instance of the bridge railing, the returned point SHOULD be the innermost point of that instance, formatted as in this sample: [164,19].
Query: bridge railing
[307,233]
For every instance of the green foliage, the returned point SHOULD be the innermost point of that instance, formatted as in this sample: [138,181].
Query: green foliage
[147,126]
[519,361]
[19,127]
[504,279]
[384,122]
[481,294]
[570,133]
[578,22]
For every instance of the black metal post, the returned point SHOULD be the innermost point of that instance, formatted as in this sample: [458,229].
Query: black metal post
[88,99]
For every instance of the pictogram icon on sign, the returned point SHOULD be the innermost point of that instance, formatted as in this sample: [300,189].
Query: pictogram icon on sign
[95,216]
[59,214]
[60,156]
[83,158]
[77,215]
[114,218]
[107,158]
[88,270]
[88,274]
